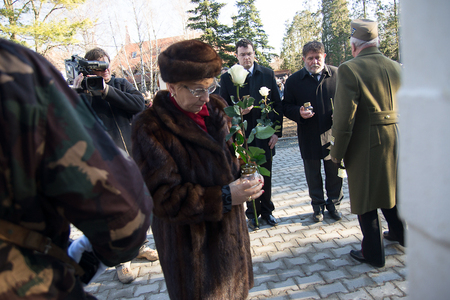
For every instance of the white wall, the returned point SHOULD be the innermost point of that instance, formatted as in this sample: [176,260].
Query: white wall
[424,102]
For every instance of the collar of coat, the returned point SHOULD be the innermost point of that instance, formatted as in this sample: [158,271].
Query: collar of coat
[305,73]
[181,125]
[369,51]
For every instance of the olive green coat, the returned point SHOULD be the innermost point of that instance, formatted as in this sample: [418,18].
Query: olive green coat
[365,129]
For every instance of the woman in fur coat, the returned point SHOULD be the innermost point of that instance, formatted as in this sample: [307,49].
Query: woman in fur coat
[192,173]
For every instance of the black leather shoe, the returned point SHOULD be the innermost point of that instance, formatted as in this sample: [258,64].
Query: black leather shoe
[390,237]
[357,254]
[252,224]
[270,220]
[335,215]
[317,216]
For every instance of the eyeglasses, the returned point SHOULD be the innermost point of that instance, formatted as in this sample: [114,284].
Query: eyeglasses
[199,92]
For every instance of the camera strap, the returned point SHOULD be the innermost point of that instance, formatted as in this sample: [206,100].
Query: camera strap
[29,239]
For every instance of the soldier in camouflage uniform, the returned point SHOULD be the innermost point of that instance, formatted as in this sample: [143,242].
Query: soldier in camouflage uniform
[58,166]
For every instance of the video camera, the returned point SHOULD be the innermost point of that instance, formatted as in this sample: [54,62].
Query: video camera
[77,65]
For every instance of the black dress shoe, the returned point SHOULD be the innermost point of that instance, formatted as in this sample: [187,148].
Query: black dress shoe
[252,224]
[391,237]
[317,216]
[270,220]
[357,254]
[335,215]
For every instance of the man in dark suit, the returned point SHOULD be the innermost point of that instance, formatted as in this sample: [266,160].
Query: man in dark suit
[258,77]
[365,131]
[316,84]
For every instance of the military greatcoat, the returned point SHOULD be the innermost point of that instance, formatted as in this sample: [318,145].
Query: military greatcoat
[365,129]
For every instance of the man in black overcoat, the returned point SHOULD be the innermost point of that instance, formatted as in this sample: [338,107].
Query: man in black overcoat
[316,84]
[259,77]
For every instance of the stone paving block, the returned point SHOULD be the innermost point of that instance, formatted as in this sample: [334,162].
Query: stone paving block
[348,240]
[265,277]
[291,272]
[332,288]
[303,250]
[338,252]
[287,245]
[324,245]
[306,241]
[317,256]
[333,275]
[330,236]
[93,287]
[346,232]
[292,236]
[280,255]
[259,291]
[147,288]
[265,249]
[361,268]
[256,243]
[276,265]
[387,275]
[338,262]
[125,292]
[314,267]
[283,286]
[258,234]
[296,261]
[103,295]
[386,290]
[313,279]
[401,285]
[353,284]
[308,293]
[109,285]
[260,258]
[142,297]
[272,240]
[278,231]
[360,294]
[313,232]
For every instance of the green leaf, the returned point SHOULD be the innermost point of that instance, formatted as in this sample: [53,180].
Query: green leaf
[251,137]
[264,132]
[231,111]
[239,139]
[263,171]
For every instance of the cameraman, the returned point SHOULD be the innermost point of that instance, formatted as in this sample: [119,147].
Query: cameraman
[116,105]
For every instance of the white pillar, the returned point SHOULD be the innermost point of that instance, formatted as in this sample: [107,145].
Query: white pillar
[424,103]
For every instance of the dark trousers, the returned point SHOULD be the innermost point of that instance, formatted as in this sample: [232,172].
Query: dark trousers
[372,243]
[264,204]
[333,184]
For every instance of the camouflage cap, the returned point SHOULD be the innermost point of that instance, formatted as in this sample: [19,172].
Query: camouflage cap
[364,29]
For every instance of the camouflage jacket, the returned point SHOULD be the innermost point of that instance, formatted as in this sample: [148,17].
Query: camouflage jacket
[58,166]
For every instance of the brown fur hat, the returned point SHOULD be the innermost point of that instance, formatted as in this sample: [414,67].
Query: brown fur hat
[189,60]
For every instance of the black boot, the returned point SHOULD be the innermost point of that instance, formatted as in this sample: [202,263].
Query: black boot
[318,213]
[334,212]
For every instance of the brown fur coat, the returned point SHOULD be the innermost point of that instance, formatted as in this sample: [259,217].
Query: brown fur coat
[204,253]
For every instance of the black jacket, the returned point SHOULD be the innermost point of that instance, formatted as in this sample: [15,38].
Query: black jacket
[116,109]
[261,76]
[314,134]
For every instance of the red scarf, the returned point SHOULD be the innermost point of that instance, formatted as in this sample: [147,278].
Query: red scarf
[198,118]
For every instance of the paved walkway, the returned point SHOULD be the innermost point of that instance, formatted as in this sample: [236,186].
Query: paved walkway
[298,259]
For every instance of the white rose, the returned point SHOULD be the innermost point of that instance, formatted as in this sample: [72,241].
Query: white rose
[264,91]
[238,74]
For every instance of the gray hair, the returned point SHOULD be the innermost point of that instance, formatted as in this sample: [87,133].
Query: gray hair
[360,44]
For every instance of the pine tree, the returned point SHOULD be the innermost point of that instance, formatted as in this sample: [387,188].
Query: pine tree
[248,25]
[388,29]
[305,27]
[36,25]
[205,19]
[336,31]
